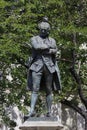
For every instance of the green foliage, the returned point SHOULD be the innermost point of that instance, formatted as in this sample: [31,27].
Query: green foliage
[18,22]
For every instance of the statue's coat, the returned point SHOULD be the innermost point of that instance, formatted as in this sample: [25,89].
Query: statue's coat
[36,63]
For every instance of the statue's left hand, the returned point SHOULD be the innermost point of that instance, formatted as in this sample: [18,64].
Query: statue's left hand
[52,51]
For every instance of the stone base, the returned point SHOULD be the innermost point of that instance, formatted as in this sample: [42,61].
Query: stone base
[41,123]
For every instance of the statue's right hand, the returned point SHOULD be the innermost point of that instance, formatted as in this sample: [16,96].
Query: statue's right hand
[44,47]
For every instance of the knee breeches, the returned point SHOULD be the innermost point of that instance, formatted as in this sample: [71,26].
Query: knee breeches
[36,76]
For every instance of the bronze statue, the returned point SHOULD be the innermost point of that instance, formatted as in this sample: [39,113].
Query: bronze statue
[43,69]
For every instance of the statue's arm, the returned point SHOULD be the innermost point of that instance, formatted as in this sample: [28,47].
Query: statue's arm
[38,46]
[53,49]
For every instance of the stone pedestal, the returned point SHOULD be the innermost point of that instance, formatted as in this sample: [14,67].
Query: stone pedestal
[41,123]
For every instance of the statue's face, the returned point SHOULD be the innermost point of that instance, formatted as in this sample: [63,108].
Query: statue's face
[44,32]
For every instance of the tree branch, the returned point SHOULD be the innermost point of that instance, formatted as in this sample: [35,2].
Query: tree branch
[76,108]
[78,81]
[75,75]
[20,60]
[63,59]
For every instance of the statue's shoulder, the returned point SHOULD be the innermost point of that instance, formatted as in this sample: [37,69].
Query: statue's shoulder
[34,38]
[52,40]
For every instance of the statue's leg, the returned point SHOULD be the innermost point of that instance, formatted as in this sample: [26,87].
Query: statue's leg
[48,78]
[49,104]
[34,97]
[36,86]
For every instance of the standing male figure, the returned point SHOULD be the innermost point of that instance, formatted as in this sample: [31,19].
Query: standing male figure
[43,64]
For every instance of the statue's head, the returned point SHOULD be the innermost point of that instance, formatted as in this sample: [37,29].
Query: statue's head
[44,28]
